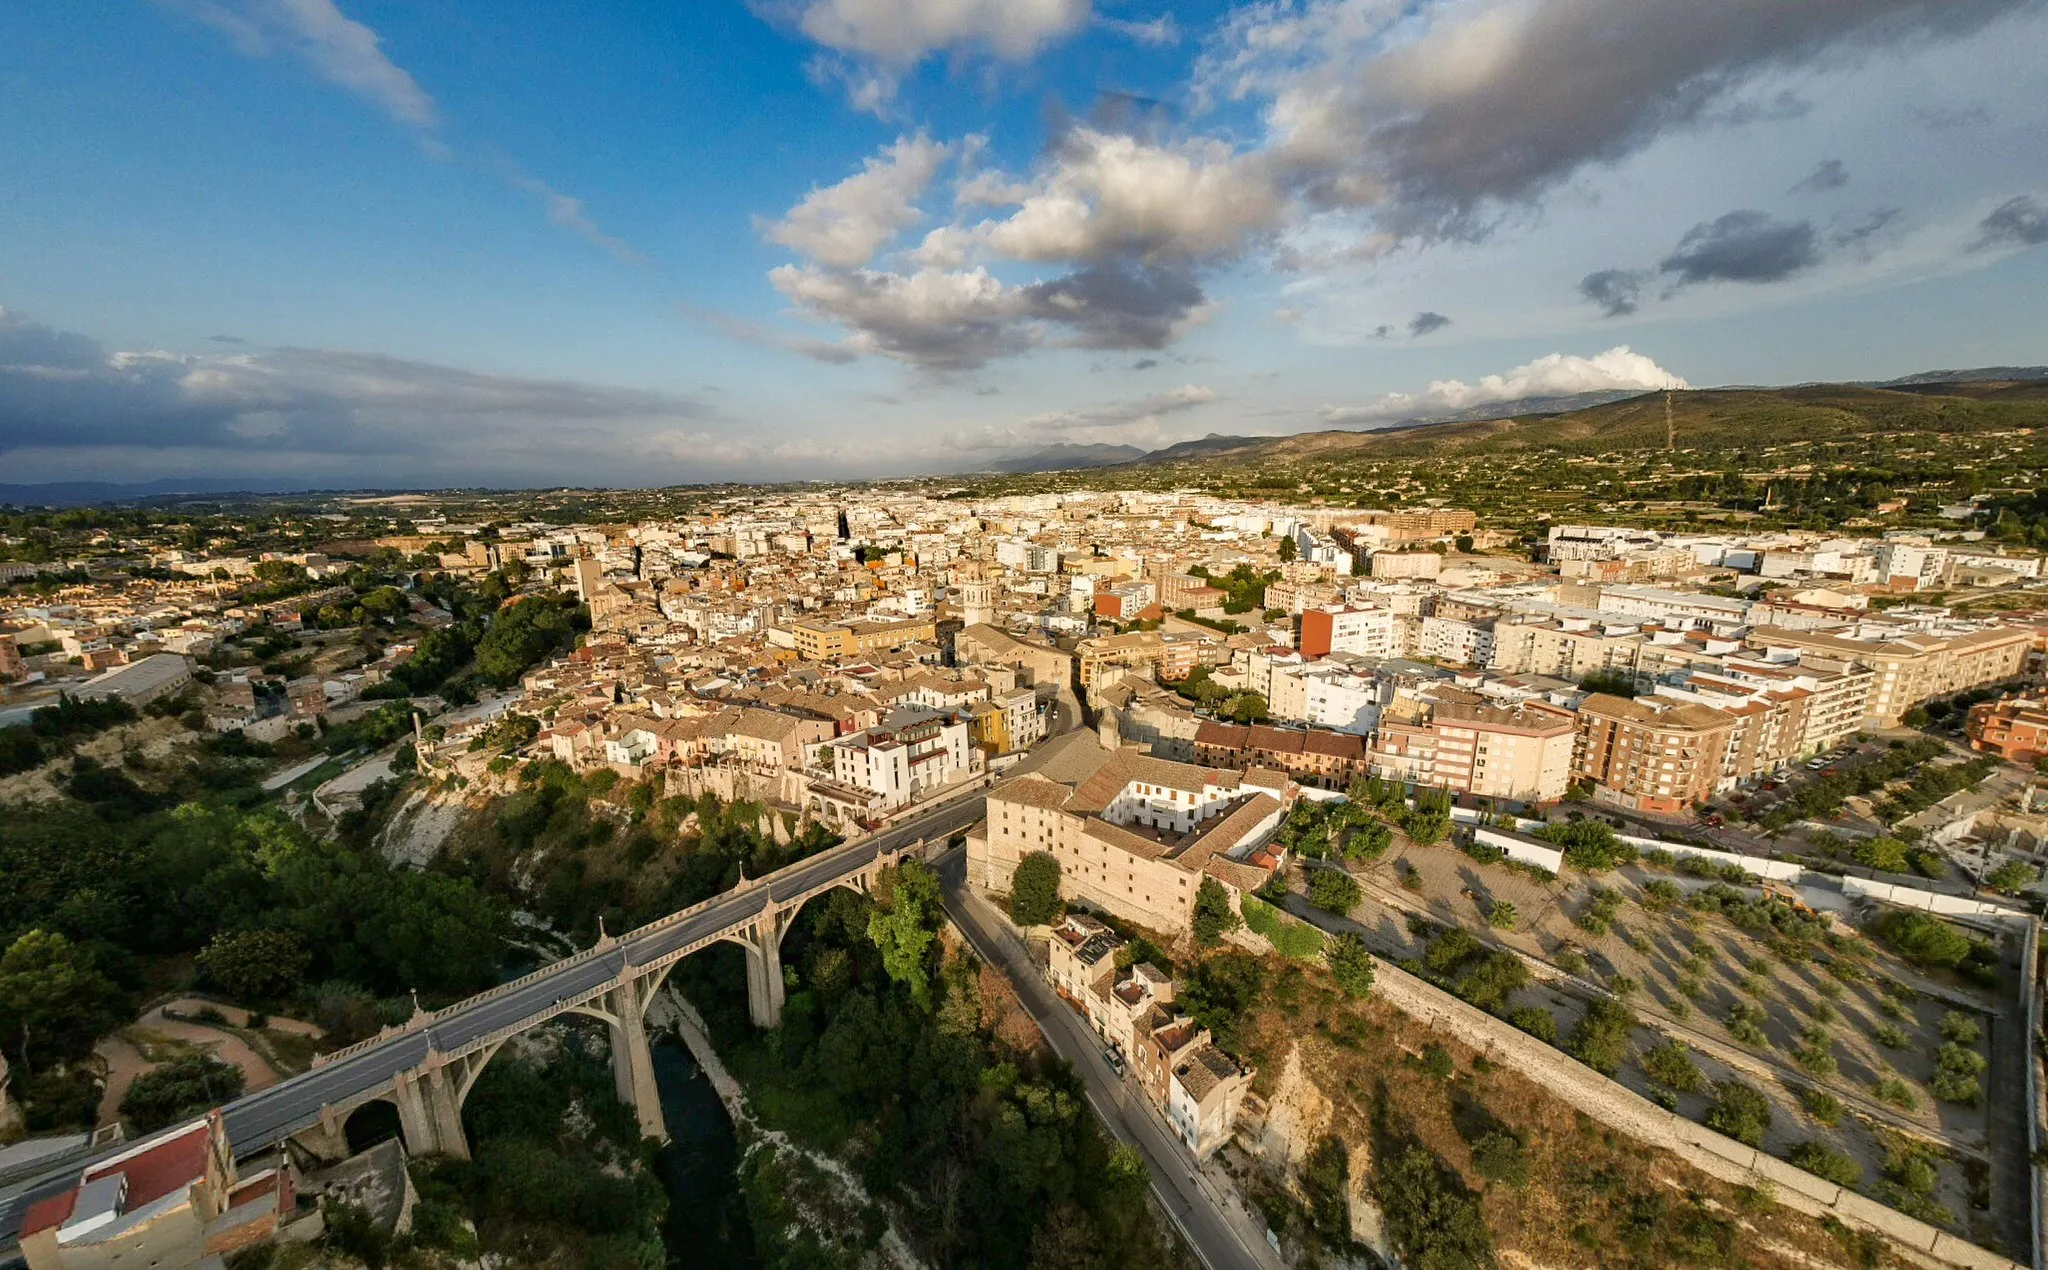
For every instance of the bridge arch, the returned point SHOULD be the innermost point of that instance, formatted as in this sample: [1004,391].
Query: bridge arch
[373,1122]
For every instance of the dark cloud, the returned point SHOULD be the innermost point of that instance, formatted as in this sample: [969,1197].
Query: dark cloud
[1938,119]
[1382,332]
[1499,106]
[1118,305]
[227,339]
[1859,235]
[1743,246]
[1828,174]
[1425,323]
[1618,292]
[2018,222]
[1145,363]
[1776,108]
[62,390]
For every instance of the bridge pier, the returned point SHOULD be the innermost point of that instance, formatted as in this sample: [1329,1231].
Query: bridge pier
[762,939]
[430,1113]
[632,1061]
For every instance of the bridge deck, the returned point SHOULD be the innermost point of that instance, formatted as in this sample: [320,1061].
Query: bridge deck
[259,1121]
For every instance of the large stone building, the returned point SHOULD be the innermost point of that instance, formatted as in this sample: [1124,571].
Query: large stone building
[1134,836]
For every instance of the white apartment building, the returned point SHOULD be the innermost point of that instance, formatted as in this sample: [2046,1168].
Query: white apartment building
[1915,563]
[1450,640]
[1674,609]
[1027,557]
[1363,632]
[908,754]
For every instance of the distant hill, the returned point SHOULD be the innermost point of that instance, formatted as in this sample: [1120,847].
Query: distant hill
[1727,419]
[2007,374]
[1064,457]
[86,493]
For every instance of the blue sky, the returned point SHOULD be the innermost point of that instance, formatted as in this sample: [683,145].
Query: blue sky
[362,242]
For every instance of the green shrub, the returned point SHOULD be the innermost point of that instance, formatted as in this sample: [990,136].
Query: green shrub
[1350,963]
[1501,916]
[1822,1106]
[1888,1036]
[1897,1093]
[1499,1156]
[1745,1024]
[1537,1022]
[1960,1028]
[1739,1111]
[1824,1161]
[1671,1065]
[1600,1038]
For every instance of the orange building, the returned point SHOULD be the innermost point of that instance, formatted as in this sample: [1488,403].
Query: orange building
[2015,729]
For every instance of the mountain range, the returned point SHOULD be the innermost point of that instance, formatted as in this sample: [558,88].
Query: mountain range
[1623,419]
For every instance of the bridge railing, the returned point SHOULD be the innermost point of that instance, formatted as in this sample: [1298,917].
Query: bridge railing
[659,924]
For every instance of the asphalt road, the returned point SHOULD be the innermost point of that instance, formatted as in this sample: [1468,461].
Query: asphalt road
[1202,1215]
[261,1120]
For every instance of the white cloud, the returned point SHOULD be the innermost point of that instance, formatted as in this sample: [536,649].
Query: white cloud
[1557,375]
[569,213]
[844,225]
[351,56]
[1105,195]
[1159,32]
[339,49]
[900,33]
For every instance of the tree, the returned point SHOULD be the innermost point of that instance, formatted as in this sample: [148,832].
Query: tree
[904,923]
[1739,1111]
[1215,916]
[1611,682]
[1221,990]
[1247,707]
[2012,877]
[53,1002]
[1035,890]
[180,1090]
[1885,854]
[1462,544]
[255,965]
[1288,551]
[1333,890]
[1350,964]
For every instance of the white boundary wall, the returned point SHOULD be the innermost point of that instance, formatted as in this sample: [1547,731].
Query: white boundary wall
[1521,849]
